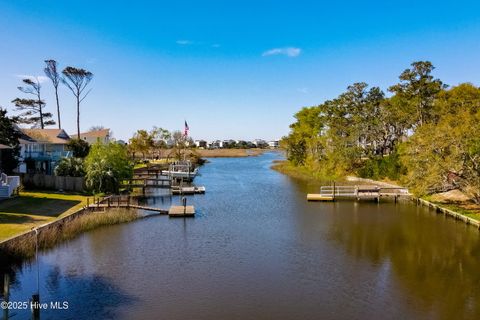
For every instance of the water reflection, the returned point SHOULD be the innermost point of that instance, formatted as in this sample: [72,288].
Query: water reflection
[434,259]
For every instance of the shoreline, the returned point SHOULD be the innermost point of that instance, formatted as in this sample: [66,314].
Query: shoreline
[283,167]
[229,153]
[21,247]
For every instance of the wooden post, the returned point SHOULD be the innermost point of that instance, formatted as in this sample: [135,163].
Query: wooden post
[88,202]
[128,201]
[333,190]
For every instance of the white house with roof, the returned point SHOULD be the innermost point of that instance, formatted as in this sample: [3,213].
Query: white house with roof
[274,144]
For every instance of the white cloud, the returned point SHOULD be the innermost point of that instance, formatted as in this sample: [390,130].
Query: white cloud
[287,51]
[40,79]
[184,42]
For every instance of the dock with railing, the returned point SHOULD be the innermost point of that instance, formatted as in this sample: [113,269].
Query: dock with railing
[129,202]
[357,192]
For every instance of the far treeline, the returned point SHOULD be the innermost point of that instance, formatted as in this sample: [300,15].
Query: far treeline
[426,135]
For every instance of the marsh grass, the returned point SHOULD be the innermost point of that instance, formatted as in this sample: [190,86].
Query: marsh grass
[64,230]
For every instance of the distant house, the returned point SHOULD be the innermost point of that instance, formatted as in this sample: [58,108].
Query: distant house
[273,144]
[227,143]
[214,144]
[94,136]
[259,143]
[201,143]
[41,149]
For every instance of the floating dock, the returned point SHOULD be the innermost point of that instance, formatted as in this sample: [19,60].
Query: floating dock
[318,197]
[181,211]
[187,190]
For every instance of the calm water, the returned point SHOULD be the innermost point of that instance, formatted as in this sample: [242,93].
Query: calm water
[258,250]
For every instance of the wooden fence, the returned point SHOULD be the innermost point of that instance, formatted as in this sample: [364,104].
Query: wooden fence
[43,181]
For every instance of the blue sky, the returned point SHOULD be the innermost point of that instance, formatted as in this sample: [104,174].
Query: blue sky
[232,69]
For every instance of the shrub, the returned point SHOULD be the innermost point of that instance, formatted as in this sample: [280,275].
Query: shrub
[106,166]
[72,167]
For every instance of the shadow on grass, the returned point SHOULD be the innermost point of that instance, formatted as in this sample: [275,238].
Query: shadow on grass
[15,218]
[37,206]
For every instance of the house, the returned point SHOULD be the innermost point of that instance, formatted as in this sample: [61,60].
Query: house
[41,149]
[102,136]
[214,144]
[201,143]
[227,143]
[273,144]
[259,143]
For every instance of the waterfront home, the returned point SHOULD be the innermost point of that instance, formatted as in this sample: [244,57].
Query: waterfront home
[227,143]
[214,144]
[102,136]
[41,149]
[273,144]
[201,143]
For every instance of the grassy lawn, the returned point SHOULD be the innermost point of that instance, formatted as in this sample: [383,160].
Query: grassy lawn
[20,214]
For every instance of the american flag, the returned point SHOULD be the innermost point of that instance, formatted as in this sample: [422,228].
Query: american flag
[186,128]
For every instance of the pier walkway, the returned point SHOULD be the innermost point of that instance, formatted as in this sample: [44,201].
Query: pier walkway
[358,192]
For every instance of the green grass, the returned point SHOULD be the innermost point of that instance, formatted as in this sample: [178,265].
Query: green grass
[302,173]
[472,211]
[31,209]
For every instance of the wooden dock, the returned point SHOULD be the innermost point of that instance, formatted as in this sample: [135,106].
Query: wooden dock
[358,192]
[181,211]
[120,202]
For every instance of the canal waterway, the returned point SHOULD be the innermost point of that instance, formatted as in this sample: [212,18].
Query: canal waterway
[258,250]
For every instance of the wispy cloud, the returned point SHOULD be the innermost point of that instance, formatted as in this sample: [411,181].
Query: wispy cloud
[287,51]
[184,42]
[303,90]
[33,78]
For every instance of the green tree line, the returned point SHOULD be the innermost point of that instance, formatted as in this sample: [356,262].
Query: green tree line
[424,134]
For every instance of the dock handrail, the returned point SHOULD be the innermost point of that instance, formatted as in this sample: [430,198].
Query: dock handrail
[355,190]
